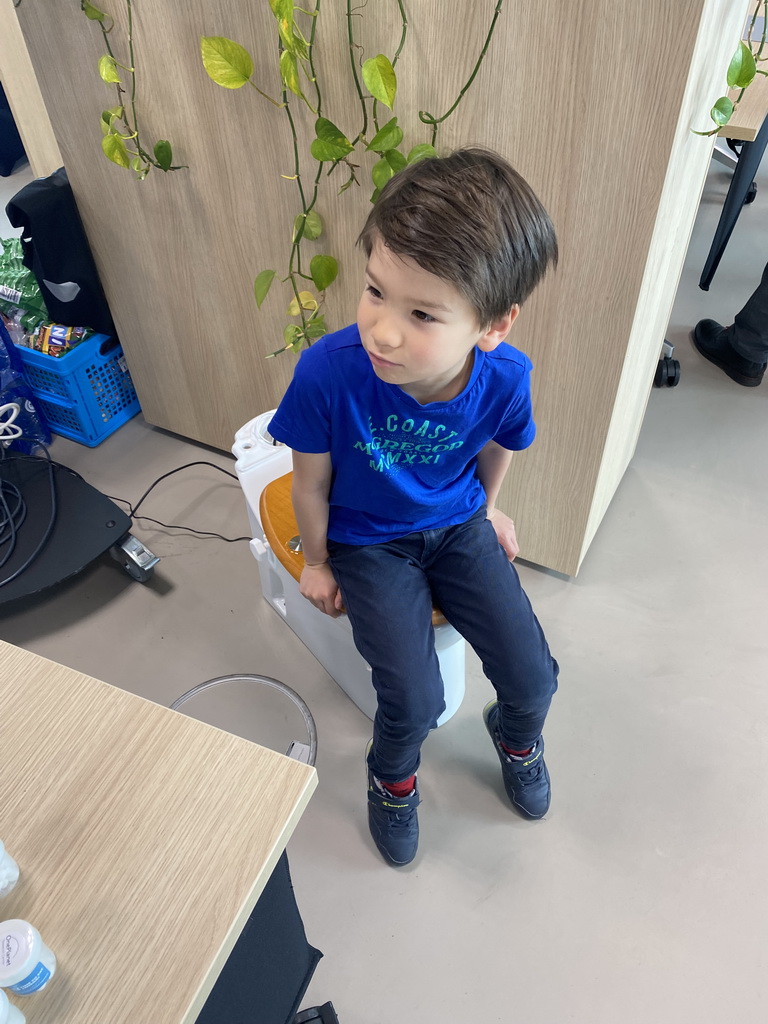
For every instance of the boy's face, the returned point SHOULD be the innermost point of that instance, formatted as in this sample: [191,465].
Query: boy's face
[418,330]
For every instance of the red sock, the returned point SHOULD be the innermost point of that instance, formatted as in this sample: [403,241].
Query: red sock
[400,789]
[516,753]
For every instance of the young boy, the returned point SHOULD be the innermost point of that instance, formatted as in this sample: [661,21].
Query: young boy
[402,428]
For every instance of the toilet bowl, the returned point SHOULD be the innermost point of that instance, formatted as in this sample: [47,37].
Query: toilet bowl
[260,461]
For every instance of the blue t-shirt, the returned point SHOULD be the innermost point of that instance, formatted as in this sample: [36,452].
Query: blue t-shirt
[399,466]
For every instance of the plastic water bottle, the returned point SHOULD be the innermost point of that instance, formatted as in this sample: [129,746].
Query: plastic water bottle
[10,1014]
[9,871]
[16,332]
[26,963]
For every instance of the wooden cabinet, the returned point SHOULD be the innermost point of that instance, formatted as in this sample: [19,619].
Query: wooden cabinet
[593,101]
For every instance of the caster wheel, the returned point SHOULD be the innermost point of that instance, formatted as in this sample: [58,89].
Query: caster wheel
[667,373]
[752,194]
[136,559]
[139,574]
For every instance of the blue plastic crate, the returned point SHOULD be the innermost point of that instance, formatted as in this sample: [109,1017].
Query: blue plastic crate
[87,393]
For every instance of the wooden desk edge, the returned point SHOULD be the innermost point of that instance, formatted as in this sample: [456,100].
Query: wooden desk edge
[196,1005]
[750,113]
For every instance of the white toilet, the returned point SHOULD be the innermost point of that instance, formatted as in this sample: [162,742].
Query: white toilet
[260,460]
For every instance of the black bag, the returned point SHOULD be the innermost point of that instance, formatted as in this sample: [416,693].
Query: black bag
[11,148]
[57,252]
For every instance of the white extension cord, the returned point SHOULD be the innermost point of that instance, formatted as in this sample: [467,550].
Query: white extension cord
[9,429]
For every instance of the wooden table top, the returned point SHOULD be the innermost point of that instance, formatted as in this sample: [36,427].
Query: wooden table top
[751,112]
[144,840]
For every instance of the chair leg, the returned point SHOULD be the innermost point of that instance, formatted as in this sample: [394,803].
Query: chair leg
[741,182]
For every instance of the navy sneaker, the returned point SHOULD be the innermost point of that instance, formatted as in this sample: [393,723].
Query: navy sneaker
[393,821]
[526,779]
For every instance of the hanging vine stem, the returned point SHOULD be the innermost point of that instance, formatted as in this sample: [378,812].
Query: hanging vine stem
[764,4]
[425,117]
[396,58]
[294,262]
[114,142]
[758,55]
[298,233]
[145,156]
[353,64]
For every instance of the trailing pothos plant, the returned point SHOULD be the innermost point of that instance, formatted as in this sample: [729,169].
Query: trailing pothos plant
[330,150]
[742,70]
[121,141]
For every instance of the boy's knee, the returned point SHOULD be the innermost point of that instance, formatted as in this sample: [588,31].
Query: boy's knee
[413,717]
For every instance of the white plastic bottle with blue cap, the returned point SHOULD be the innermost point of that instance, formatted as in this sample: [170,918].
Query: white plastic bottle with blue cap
[10,1014]
[26,963]
[9,871]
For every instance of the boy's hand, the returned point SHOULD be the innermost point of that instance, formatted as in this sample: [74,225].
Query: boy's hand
[319,586]
[505,531]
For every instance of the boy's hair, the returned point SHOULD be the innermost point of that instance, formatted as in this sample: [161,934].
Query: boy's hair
[471,219]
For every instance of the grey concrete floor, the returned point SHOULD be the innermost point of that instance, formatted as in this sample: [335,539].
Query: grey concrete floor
[641,896]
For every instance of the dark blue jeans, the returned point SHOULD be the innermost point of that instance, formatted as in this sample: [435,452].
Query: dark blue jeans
[388,591]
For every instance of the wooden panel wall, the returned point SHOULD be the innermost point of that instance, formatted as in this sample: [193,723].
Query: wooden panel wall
[26,102]
[584,98]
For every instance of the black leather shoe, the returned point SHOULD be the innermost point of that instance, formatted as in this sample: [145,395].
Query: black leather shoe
[710,338]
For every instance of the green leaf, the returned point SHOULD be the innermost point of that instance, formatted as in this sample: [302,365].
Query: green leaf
[292,337]
[422,152]
[300,46]
[107,69]
[380,79]
[388,137]
[395,159]
[110,116]
[308,301]
[375,194]
[742,68]
[283,12]
[331,143]
[313,226]
[261,285]
[92,12]
[381,173]
[324,270]
[114,148]
[289,72]
[316,328]
[722,110]
[163,154]
[136,164]
[227,62]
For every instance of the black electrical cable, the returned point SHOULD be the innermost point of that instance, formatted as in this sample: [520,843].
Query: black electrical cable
[15,523]
[191,529]
[178,469]
[11,518]
[172,526]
